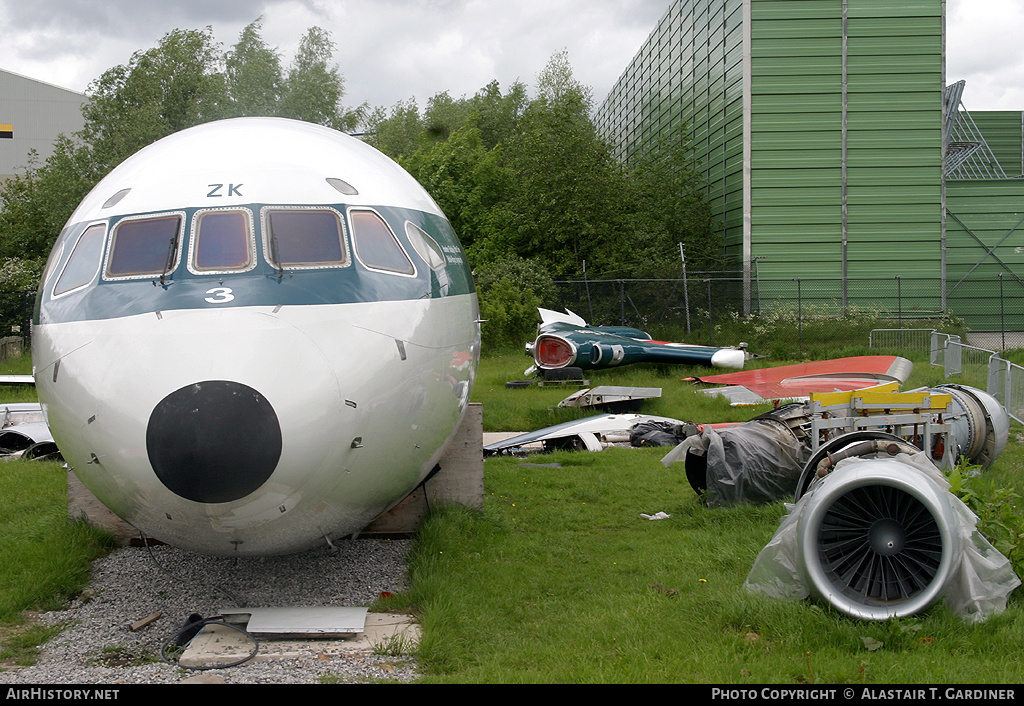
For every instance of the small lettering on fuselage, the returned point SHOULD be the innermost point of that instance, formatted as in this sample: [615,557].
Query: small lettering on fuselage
[216,189]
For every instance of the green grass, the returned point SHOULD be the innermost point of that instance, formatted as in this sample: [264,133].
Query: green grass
[21,365]
[558,579]
[45,557]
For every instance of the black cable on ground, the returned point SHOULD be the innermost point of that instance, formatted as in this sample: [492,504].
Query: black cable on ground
[195,624]
[188,632]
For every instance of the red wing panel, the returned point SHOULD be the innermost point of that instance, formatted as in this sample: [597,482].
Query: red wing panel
[801,379]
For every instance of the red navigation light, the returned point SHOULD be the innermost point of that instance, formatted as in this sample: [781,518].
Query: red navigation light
[553,352]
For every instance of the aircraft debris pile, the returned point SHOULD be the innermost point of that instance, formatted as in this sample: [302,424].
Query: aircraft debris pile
[611,398]
[769,457]
[24,432]
[874,532]
[660,433]
[786,383]
[593,433]
[757,461]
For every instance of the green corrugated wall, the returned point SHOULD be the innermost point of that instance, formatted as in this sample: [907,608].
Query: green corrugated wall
[846,138]
[818,124]
[843,103]
[984,230]
[985,251]
[686,82]
[796,106]
[1003,130]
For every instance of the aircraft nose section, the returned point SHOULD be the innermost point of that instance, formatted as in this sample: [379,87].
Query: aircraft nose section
[213,441]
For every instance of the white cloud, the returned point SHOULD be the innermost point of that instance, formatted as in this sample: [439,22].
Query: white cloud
[388,50]
[983,47]
[391,50]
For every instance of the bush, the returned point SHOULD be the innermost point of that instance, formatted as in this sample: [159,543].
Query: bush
[510,292]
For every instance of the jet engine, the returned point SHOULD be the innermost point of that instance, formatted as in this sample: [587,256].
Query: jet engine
[877,534]
[980,425]
[878,540]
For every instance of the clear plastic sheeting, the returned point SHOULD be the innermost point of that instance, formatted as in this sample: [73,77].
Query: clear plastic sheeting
[756,462]
[976,586]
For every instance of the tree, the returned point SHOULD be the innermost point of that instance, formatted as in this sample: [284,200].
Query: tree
[313,88]
[37,203]
[396,133]
[162,90]
[254,77]
[443,116]
[402,130]
[556,84]
[170,87]
[531,178]
[469,183]
[497,115]
[183,81]
[454,150]
[510,291]
[669,208]
[568,205]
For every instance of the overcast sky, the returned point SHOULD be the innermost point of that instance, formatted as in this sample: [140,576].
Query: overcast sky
[393,50]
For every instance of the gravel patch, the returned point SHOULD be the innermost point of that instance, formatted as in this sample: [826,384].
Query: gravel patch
[132,583]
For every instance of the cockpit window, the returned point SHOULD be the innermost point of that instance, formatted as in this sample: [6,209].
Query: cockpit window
[426,246]
[375,244]
[222,241]
[84,262]
[144,246]
[305,238]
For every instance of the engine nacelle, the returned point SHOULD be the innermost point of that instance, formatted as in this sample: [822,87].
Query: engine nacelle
[878,540]
[878,535]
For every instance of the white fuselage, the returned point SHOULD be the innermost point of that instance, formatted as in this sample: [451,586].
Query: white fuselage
[360,426]
[292,366]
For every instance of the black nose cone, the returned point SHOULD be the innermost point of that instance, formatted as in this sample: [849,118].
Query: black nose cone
[213,441]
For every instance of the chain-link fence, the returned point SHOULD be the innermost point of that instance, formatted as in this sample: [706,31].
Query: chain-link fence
[702,302]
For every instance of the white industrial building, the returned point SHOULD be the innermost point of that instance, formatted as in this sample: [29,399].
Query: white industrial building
[32,115]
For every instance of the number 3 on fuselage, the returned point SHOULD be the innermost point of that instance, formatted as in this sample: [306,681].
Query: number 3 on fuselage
[219,295]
